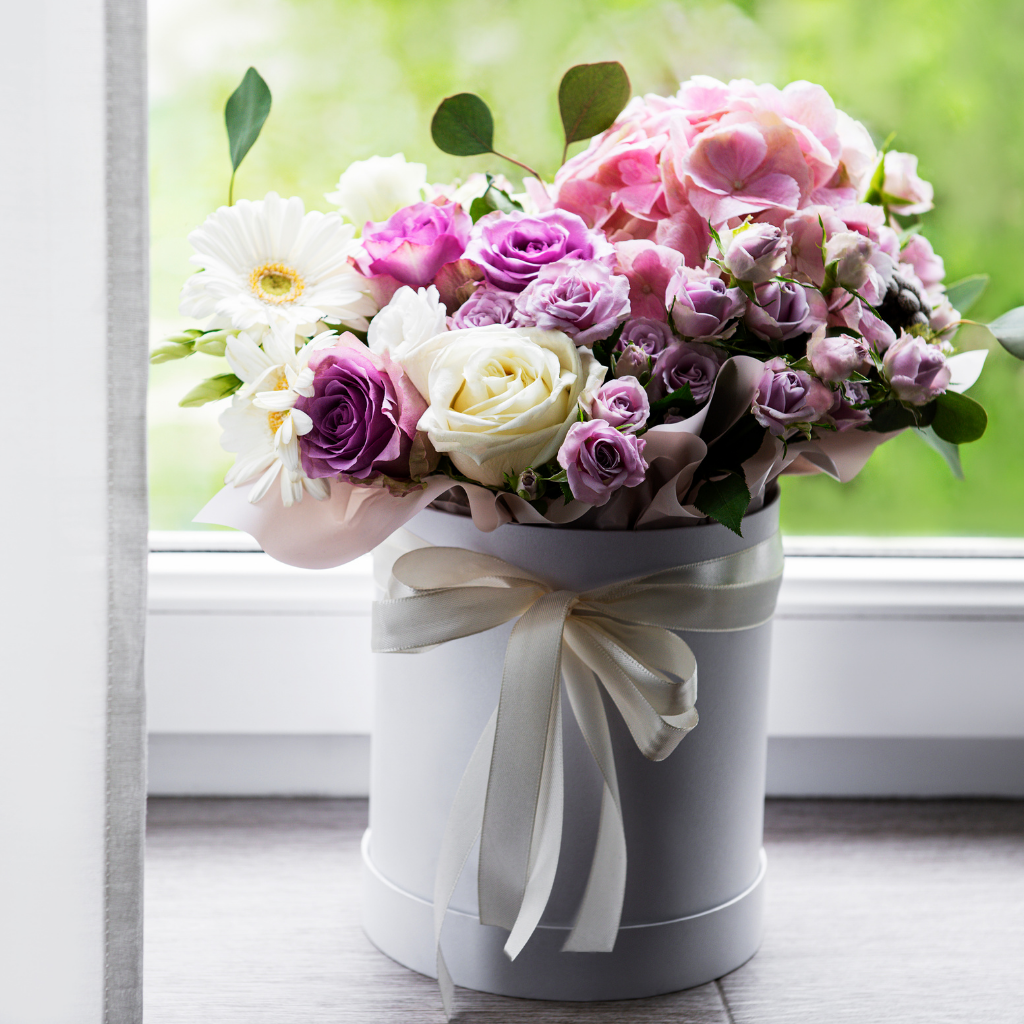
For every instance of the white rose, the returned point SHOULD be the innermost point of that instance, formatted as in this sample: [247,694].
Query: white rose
[374,189]
[412,318]
[503,398]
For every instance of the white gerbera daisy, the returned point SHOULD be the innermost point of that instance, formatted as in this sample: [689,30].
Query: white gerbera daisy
[269,262]
[262,424]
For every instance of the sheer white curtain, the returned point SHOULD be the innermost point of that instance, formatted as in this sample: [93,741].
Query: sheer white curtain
[72,510]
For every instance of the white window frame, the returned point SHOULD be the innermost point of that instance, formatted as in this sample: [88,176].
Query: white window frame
[896,669]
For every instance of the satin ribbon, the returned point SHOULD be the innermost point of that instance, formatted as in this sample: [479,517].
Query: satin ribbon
[616,636]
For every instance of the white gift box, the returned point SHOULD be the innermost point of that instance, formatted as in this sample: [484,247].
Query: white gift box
[693,822]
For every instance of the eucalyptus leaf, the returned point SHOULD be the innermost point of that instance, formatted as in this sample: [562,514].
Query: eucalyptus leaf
[958,419]
[892,415]
[725,501]
[169,350]
[463,126]
[590,97]
[211,390]
[480,208]
[244,115]
[950,452]
[965,293]
[1009,331]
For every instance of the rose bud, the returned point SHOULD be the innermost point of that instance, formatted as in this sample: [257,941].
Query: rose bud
[756,253]
[598,460]
[528,486]
[843,416]
[835,358]
[916,371]
[701,305]
[633,362]
[623,403]
[650,335]
[785,397]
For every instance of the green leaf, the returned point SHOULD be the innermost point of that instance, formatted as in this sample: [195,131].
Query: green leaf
[958,419]
[493,199]
[681,399]
[964,293]
[1009,331]
[893,415]
[244,114]
[590,97]
[211,390]
[169,350]
[950,452]
[725,501]
[462,125]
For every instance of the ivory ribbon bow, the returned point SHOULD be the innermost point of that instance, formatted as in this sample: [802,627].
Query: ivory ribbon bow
[619,635]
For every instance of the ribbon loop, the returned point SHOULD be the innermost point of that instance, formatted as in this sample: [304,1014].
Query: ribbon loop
[622,637]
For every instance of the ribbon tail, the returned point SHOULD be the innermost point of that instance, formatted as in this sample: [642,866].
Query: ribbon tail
[597,921]
[460,835]
[547,837]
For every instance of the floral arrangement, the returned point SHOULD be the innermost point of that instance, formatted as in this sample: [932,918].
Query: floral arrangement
[726,285]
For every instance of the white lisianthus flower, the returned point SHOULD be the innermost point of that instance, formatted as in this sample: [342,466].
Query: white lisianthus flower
[412,318]
[374,189]
[503,398]
[269,262]
[262,424]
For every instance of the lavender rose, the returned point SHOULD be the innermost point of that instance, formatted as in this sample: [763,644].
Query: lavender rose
[584,300]
[843,415]
[413,244]
[598,460]
[650,335]
[484,307]
[513,248]
[916,371]
[701,305]
[623,403]
[785,397]
[364,412]
[781,310]
[633,362]
[835,358]
[756,253]
[684,363]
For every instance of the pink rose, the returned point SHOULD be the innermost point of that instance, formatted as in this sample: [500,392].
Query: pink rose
[756,253]
[783,310]
[929,267]
[413,244]
[835,358]
[916,371]
[648,268]
[623,403]
[808,230]
[861,266]
[702,305]
[913,194]
[786,397]
[598,460]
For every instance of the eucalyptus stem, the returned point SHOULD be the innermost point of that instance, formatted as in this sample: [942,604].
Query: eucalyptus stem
[519,163]
[231,190]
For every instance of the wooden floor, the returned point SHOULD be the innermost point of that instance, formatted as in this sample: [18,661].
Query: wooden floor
[877,912]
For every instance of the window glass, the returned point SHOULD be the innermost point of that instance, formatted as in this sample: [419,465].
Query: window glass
[351,79]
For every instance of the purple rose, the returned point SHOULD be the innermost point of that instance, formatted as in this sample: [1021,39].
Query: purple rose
[843,415]
[684,363]
[757,253]
[701,305]
[484,307]
[623,403]
[364,412]
[584,300]
[916,371]
[781,311]
[650,335]
[513,248]
[598,460]
[835,358]
[785,397]
[633,362]
[413,244]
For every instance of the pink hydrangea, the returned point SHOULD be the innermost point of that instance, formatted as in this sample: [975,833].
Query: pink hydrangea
[648,268]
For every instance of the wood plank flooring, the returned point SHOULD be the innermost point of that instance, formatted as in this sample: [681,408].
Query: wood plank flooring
[887,911]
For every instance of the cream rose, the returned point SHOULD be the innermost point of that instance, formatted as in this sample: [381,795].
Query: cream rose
[501,399]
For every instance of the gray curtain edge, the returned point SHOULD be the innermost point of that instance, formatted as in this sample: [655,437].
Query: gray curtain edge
[127,273]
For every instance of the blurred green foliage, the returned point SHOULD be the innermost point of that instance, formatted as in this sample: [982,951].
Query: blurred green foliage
[352,78]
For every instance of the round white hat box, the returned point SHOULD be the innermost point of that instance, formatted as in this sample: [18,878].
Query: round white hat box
[696,866]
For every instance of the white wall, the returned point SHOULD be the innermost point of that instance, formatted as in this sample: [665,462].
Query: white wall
[53,516]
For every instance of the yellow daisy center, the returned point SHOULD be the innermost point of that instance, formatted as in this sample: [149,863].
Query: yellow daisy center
[276,283]
[275,419]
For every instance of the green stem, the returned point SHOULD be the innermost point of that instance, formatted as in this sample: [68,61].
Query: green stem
[231,190]
[519,163]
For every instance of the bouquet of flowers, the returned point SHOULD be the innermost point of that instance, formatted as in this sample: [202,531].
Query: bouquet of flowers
[726,285]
